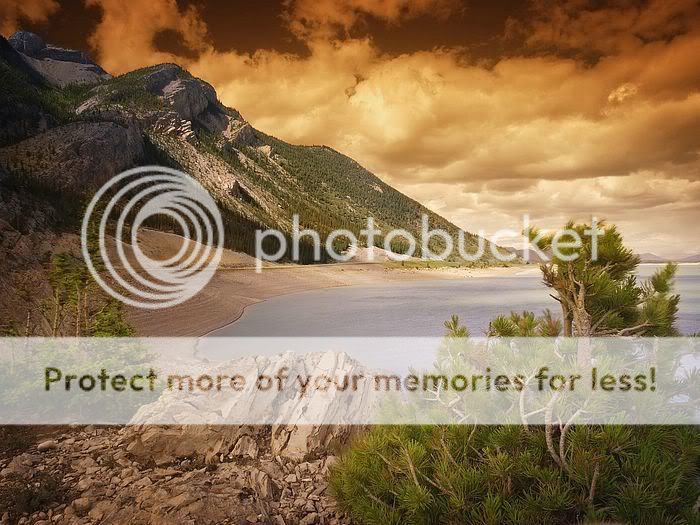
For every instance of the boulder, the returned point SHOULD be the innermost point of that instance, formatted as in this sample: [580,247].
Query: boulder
[82,505]
[47,445]
[245,446]
[208,425]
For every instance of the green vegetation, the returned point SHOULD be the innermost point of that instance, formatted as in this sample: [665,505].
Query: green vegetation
[336,192]
[128,90]
[78,306]
[24,104]
[600,296]
[18,89]
[505,475]
[554,474]
[60,296]
[525,324]
[239,228]
[329,191]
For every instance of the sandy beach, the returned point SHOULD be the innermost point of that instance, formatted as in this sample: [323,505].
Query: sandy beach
[237,285]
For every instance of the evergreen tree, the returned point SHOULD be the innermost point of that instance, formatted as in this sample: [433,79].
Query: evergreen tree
[598,290]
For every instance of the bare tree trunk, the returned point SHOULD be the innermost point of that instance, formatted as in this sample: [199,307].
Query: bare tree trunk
[77,311]
[54,324]
[566,319]
[86,317]
[583,329]
[27,328]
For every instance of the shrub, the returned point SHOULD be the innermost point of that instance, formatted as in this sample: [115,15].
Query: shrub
[504,474]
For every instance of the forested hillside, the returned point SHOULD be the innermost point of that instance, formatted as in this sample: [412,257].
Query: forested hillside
[164,115]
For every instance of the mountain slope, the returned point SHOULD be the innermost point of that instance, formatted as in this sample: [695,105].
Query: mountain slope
[164,115]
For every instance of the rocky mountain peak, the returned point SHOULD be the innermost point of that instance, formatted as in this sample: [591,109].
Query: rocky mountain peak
[27,42]
[58,66]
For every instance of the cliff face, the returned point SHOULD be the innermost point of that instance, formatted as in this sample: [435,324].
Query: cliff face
[80,156]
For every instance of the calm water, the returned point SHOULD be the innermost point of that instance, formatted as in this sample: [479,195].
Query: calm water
[420,308]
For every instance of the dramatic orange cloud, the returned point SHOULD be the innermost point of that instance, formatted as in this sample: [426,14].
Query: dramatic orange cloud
[13,12]
[124,37]
[577,24]
[326,18]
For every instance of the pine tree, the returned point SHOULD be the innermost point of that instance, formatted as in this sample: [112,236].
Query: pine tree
[598,291]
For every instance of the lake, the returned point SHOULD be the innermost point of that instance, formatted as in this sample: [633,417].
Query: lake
[420,308]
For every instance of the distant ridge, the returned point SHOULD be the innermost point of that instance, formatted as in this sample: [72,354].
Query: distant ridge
[652,258]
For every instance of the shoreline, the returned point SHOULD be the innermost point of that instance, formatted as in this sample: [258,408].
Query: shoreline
[236,285]
[224,300]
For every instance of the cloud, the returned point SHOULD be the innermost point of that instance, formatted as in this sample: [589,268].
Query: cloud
[12,12]
[613,28]
[124,38]
[429,116]
[325,19]
[655,213]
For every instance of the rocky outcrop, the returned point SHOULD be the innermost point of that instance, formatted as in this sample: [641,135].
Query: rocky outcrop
[189,97]
[205,425]
[171,124]
[331,405]
[28,43]
[57,65]
[33,46]
[239,134]
[78,156]
[237,190]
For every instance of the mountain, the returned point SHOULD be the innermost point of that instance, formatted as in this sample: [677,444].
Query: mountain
[652,258]
[67,126]
[58,66]
[531,257]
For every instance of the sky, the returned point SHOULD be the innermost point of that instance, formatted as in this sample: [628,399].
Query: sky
[483,111]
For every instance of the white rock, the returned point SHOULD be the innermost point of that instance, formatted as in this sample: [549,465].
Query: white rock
[46,445]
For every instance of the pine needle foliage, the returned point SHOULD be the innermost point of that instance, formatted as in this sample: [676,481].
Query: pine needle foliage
[598,290]
[493,475]
[503,475]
